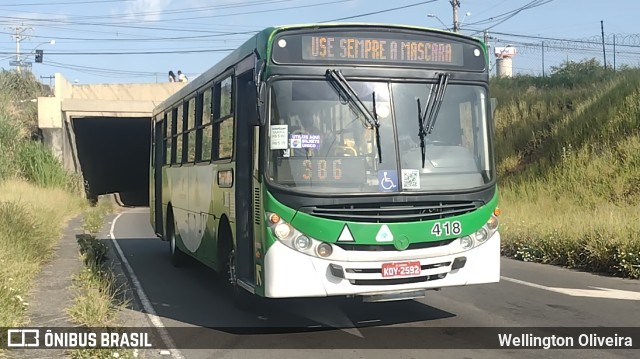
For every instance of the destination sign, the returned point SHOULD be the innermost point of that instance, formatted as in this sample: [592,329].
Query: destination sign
[301,170]
[378,47]
[369,49]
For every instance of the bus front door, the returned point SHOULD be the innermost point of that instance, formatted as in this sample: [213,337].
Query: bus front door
[246,111]
[158,161]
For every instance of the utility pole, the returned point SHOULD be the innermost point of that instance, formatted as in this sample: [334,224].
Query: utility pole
[456,5]
[18,35]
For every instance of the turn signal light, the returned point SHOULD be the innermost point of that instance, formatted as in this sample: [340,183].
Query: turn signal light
[274,218]
[496,212]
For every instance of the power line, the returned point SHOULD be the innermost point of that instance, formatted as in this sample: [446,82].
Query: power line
[499,19]
[491,8]
[193,37]
[379,12]
[173,51]
[119,25]
[124,24]
[65,3]
[190,10]
[510,13]
[99,70]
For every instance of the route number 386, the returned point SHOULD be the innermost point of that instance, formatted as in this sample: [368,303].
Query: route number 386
[322,172]
[446,228]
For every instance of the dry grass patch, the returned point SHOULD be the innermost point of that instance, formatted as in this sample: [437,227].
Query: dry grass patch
[31,223]
[568,156]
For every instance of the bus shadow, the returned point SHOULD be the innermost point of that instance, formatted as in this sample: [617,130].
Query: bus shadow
[194,295]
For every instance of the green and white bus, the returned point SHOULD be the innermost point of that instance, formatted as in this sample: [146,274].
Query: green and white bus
[333,160]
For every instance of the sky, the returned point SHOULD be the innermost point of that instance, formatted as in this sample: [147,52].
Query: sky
[129,41]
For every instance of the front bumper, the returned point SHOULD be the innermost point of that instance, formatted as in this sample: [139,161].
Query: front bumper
[289,273]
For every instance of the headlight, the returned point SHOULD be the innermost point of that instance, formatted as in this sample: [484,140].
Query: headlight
[492,223]
[466,242]
[324,250]
[282,230]
[481,235]
[296,240]
[302,243]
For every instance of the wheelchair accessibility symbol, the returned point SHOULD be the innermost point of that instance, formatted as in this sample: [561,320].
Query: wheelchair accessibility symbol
[388,181]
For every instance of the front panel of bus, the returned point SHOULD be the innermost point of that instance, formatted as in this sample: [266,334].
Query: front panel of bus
[378,167]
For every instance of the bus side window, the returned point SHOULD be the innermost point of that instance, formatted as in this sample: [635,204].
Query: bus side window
[179,134]
[166,127]
[174,137]
[191,128]
[223,119]
[207,131]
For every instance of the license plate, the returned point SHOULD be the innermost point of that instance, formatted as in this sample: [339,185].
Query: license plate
[401,269]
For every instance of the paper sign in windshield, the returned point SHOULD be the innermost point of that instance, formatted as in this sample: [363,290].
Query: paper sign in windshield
[305,140]
[279,134]
[410,179]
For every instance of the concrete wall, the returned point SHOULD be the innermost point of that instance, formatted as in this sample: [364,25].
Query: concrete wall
[72,101]
[125,92]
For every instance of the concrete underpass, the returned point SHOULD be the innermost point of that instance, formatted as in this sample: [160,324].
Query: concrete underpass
[103,132]
[114,156]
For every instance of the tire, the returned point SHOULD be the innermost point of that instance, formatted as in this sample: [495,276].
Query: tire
[178,258]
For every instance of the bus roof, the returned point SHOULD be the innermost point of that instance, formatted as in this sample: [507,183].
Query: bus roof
[260,43]
[369,24]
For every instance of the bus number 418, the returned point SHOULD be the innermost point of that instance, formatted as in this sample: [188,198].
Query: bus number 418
[446,228]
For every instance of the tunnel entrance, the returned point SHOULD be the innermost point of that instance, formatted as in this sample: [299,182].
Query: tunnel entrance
[114,156]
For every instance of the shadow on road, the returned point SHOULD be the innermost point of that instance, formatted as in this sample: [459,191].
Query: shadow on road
[196,295]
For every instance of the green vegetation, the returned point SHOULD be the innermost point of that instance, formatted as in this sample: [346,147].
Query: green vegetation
[98,297]
[31,222]
[93,219]
[37,198]
[93,305]
[568,157]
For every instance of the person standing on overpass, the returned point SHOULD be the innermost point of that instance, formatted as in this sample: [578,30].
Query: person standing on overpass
[182,77]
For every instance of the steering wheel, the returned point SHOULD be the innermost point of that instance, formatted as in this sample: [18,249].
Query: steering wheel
[344,150]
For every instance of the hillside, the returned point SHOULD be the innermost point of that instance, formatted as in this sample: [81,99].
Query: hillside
[568,156]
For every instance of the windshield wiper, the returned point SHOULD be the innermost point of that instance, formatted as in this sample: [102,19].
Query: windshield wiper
[341,85]
[427,120]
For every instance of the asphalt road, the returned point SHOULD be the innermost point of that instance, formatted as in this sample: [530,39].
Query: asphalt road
[530,295]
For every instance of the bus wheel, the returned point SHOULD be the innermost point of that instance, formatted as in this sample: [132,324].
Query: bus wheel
[241,298]
[178,258]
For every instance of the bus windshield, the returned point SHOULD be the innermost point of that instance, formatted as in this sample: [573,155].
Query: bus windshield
[319,143]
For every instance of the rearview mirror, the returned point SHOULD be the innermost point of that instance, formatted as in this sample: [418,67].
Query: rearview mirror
[260,89]
[262,100]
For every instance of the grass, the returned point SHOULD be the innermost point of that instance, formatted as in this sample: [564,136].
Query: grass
[568,156]
[93,219]
[98,296]
[94,303]
[37,198]
[31,222]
